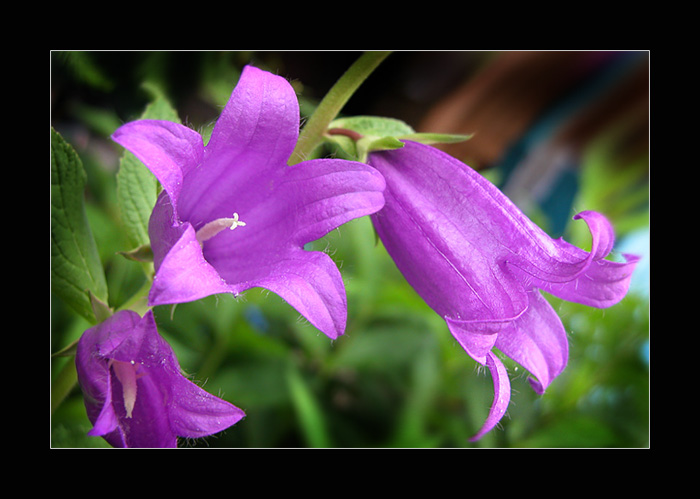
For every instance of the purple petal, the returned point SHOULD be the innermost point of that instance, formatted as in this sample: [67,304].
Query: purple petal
[106,421]
[164,228]
[592,281]
[310,199]
[501,398]
[443,207]
[311,283]
[477,337]
[126,336]
[197,413]
[184,275]
[476,345]
[169,150]
[324,194]
[305,202]
[603,283]
[438,229]
[602,231]
[262,115]
[537,341]
[94,374]
[250,143]
[150,424]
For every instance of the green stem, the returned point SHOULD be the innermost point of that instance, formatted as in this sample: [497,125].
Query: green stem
[139,301]
[312,133]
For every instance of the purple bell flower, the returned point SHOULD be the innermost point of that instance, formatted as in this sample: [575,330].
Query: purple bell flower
[233,215]
[480,263]
[134,392]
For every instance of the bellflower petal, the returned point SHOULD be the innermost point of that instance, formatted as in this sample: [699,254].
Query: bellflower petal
[537,341]
[134,392]
[480,263]
[241,181]
[170,150]
[501,398]
[183,273]
[310,282]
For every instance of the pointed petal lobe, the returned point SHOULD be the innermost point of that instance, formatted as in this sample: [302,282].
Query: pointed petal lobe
[262,116]
[537,341]
[197,413]
[249,145]
[311,283]
[501,397]
[169,150]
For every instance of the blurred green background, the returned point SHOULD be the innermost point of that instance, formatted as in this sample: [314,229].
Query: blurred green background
[397,378]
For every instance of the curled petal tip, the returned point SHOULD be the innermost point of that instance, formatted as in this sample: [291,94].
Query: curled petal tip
[501,398]
[601,231]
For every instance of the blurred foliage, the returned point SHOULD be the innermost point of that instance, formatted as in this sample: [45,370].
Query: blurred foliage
[397,378]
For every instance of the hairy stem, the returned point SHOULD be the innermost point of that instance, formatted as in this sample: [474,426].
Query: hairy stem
[312,133]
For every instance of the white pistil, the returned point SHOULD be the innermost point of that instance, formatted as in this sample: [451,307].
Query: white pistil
[126,374]
[214,227]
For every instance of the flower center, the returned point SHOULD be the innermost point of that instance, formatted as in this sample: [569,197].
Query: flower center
[214,227]
[126,374]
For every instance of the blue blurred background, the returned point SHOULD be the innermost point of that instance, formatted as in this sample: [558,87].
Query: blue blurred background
[558,131]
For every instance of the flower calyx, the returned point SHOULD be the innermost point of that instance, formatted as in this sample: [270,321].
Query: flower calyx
[357,136]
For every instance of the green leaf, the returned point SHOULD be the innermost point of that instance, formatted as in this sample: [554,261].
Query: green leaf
[309,413]
[76,269]
[137,187]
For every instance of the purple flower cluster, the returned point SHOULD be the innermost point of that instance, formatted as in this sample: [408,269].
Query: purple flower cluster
[234,215]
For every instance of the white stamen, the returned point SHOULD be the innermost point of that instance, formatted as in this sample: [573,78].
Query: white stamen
[214,227]
[236,222]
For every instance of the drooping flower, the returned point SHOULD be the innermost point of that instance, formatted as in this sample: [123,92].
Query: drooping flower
[134,391]
[480,263]
[233,215]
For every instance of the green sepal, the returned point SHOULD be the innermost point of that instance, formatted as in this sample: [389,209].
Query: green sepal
[99,308]
[68,350]
[436,138]
[376,126]
[143,253]
[76,269]
[367,145]
[357,136]
[381,143]
[345,147]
